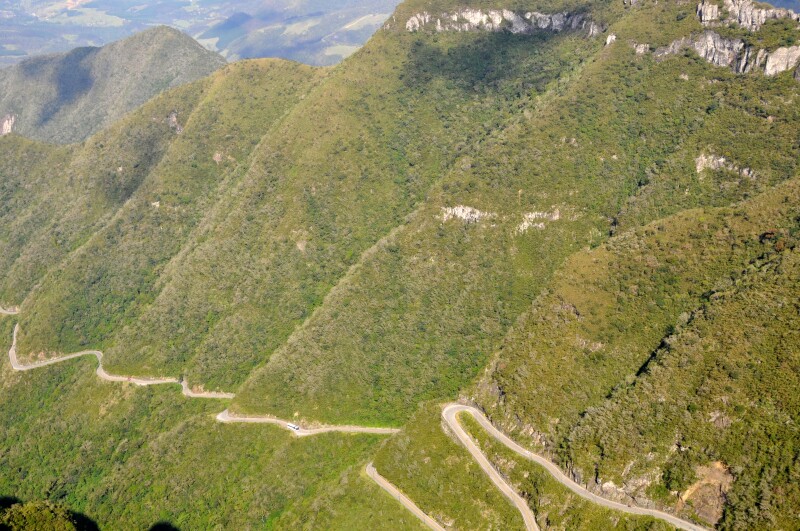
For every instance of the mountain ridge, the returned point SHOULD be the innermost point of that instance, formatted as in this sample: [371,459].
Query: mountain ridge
[65,98]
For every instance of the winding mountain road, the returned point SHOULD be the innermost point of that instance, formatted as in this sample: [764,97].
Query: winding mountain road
[449,415]
[228,417]
[101,372]
[225,417]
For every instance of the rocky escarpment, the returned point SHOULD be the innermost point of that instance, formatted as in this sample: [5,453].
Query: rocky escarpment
[717,50]
[7,125]
[781,60]
[466,214]
[494,20]
[735,54]
[742,12]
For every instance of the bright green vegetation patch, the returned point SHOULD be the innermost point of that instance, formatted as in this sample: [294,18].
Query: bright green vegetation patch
[609,308]
[772,35]
[36,515]
[354,502]
[429,466]
[555,506]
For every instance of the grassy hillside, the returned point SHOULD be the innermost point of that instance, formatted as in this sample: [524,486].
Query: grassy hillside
[558,228]
[419,316]
[55,198]
[123,260]
[129,457]
[65,98]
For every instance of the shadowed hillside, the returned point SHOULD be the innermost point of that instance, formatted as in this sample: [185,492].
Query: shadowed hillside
[67,97]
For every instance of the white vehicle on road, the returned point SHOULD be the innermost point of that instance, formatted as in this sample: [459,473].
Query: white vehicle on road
[294,427]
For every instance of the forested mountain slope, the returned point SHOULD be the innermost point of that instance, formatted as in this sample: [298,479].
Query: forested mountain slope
[64,98]
[552,209]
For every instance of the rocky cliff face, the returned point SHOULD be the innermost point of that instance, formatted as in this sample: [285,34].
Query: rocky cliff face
[733,53]
[751,17]
[502,20]
[7,125]
[781,60]
[712,47]
[742,12]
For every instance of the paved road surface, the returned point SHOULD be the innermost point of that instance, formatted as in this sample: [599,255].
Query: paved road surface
[101,372]
[450,412]
[449,415]
[402,498]
[228,417]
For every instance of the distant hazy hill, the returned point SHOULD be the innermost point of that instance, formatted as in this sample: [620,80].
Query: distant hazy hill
[310,31]
[317,32]
[66,97]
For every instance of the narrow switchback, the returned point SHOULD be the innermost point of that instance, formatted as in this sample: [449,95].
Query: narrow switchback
[450,416]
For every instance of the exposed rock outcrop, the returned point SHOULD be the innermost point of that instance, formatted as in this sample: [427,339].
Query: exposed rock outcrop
[709,493]
[535,220]
[7,125]
[494,20]
[708,161]
[742,12]
[734,54]
[611,39]
[712,47]
[748,16]
[781,60]
[465,214]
